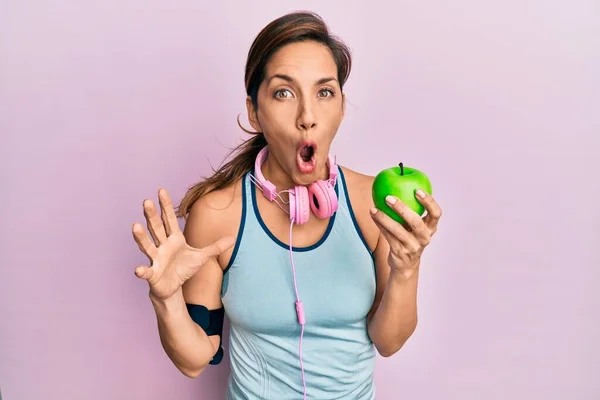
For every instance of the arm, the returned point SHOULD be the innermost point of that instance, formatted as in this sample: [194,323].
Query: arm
[184,341]
[398,258]
[394,316]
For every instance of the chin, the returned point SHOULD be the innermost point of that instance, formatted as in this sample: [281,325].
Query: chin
[303,179]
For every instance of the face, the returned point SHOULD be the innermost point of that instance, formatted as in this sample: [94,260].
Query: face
[300,108]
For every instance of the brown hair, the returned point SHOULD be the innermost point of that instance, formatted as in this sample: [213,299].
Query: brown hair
[290,28]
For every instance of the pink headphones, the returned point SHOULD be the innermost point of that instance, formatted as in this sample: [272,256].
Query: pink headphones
[319,197]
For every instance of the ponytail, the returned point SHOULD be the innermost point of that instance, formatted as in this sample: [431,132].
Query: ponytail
[242,161]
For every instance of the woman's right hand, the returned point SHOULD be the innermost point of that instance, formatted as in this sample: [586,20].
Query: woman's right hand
[172,260]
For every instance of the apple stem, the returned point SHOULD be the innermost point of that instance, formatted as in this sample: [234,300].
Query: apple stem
[401,168]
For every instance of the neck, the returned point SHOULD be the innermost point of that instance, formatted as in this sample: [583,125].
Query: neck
[273,172]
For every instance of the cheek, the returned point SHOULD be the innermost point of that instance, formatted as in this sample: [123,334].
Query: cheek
[277,117]
[272,121]
[333,115]
[276,126]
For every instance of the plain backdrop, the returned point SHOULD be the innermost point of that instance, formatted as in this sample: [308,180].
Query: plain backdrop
[102,102]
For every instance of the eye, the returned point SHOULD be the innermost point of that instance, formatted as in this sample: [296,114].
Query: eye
[326,93]
[282,94]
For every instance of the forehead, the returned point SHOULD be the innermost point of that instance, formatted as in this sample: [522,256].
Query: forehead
[308,61]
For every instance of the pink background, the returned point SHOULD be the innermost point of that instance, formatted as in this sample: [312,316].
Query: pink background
[101,102]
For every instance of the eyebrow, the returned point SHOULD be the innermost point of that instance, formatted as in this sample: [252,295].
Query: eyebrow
[289,79]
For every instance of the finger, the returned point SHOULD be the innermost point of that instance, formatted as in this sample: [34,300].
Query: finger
[154,222]
[414,222]
[398,245]
[216,248]
[144,272]
[164,219]
[144,242]
[393,228]
[393,242]
[167,212]
[434,212]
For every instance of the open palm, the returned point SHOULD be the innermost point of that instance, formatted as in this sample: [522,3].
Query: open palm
[172,260]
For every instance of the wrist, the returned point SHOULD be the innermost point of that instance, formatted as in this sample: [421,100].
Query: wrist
[173,302]
[403,275]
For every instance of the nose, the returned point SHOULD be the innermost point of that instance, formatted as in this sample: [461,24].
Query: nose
[306,116]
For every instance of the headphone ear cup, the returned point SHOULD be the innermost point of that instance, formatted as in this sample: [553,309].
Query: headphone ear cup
[323,200]
[299,205]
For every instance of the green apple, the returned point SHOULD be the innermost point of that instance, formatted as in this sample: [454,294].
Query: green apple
[401,182]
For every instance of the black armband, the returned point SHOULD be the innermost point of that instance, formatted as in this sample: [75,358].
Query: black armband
[211,321]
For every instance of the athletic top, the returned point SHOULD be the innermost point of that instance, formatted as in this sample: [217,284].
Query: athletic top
[336,283]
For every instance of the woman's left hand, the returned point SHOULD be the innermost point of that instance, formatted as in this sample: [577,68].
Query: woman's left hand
[408,241]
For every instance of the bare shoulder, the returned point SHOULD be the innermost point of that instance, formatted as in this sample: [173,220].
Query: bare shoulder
[213,216]
[359,191]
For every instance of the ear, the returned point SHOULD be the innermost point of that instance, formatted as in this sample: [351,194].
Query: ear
[252,115]
[343,105]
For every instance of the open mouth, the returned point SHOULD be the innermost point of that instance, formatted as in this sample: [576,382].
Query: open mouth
[307,152]
[307,156]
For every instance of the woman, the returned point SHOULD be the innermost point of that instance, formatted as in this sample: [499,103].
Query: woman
[287,243]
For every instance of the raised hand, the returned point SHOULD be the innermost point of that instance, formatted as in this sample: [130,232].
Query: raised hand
[172,260]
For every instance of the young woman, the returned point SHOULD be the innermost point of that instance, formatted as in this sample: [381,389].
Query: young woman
[285,242]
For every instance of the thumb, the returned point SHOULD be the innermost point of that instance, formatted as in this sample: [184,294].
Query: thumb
[218,247]
[144,272]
